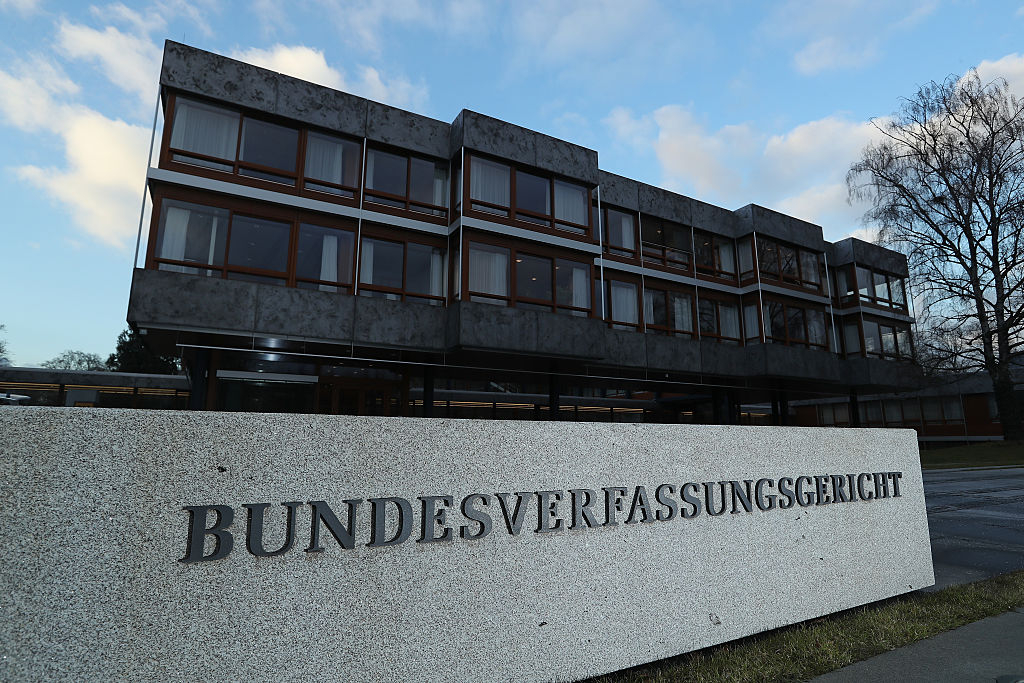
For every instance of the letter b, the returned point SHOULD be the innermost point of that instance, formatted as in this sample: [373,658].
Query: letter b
[198,531]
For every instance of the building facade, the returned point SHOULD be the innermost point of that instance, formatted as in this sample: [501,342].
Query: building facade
[313,251]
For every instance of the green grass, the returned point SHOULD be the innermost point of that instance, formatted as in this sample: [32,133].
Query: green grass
[987,454]
[812,648]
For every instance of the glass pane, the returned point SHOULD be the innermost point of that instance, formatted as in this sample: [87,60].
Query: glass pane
[881,288]
[570,203]
[489,181]
[903,345]
[324,254]
[872,342]
[816,327]
[788,257]
[655,307]
[681,308]
[428,182]
[192,233]
[768,256]
[704,250]
[205,129]
[619,230]
[863,281]
[488,269]
[809,267]
[676,236]
[729,318]
[775,320]
[952,408]
[842,411]
[931,408]
[622,300]
[726,257]
[751,322]
[899,294]
[386,172]
[827,415]
[380,263]
[911,411]
[332,160]
[424,269]
[707,316]
[874,411]
[844,285]
[888,340]
[795,323]
[533,277]
[652,231]
[893,414]
[746,256]
[572,281]
[533,193]
[259,243]
[851,337]
[268,144]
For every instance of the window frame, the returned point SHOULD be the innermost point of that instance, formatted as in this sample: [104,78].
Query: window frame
[785,339]
[718,299]
[407,201]
[383,233]
[715,272]
[656,254]
[800,280]
[669,289]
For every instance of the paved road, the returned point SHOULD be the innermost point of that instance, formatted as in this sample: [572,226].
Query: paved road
[976,518]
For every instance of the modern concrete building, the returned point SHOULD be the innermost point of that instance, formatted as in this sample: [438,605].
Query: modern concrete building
[311,250]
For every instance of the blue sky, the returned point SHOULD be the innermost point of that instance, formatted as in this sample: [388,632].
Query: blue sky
[727,101]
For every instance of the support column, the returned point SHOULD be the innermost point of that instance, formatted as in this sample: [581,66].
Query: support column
[554,404]
[784,408]
[854,409]
[428,391]
[776,417]
[197,375]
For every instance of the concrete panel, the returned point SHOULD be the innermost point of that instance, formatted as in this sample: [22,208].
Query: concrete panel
[565,158]
[160,297]
[92,589]
[842,252]
[404,129]
[455,134]
[565,335]
[288,312]
[664,204]
[380,322]
[727,360]
[482,326]
[874,256]
[676,354]
[619,191]
[877,375]
[791,361]
[715,219]
[492,136]
[625,348]
[780,226]
[321,106]
[212,75]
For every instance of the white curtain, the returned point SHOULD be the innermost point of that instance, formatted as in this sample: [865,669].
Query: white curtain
[729,319]
[570,203]
[488,271]
[436,273]
[727,259]
[204,129]
[370,158]
[366,263]
[648,307]
[440,186]
[329,261]
[580,287]
[620,230]
[682,312]
[489,182]
[324,159]
[175,233]
[623,300]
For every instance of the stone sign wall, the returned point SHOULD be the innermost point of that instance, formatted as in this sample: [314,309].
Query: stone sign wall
[146,545]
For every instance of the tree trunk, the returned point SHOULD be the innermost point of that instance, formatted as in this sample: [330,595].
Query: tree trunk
[1009,408]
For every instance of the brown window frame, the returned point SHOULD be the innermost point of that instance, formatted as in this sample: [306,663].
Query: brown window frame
[799,281]
[408,203]
[718,299]
[383,234]
[668,289]
[625,278]
[785,338]
[606,246]
[660,254]
[716,271]
[871,298]
[509,214]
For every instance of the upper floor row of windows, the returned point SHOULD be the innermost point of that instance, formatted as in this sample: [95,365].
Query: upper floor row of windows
[217,140]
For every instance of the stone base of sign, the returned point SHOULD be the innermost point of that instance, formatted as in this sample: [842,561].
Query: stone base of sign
[95,524]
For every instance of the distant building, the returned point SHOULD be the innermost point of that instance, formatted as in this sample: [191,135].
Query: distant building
[93,389]
[314,251]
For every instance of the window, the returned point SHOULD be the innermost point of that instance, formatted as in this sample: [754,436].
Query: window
[844,284]
[191,235]
[786,323]
[488,274]
[268,151]
[622,304]
[881,289]
[851,338]
[752,323]
[789,264]
[745,254]
[619,232]
[536,199]
[407,182]
[572,287]
[204,134]
[718,320]
[911,412]
[665,242]
[401,270]
[332,164]
[258,247]
[714,255]
[533,280]
[323,258]
[668,312]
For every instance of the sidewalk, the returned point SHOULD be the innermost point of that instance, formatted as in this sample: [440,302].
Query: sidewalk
[989,650]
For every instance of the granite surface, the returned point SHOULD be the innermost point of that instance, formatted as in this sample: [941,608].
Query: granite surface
[91,586]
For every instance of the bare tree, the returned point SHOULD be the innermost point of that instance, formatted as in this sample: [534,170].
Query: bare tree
[75,360]
[946,185]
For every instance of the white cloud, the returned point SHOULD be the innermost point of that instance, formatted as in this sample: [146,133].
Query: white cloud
[131,62]
[1010,67]
[310,64]
[24,7]
[363,23]
[800,172]
[829,53]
